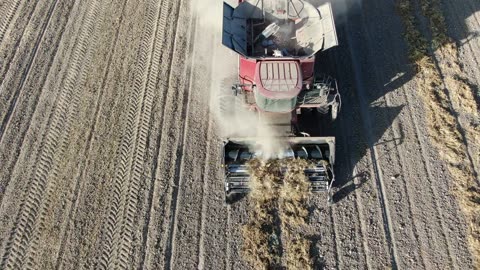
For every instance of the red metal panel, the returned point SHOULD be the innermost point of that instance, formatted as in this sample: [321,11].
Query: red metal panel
[247,72]
[307,66]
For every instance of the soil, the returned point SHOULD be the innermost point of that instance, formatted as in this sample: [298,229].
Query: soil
[110,154]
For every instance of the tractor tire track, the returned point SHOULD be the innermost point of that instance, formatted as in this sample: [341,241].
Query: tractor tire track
[6,13]
[359,184]
[83,229]
[30,145]
[28,98]
[162,54]
[214,249]
[358,203]
[176,71]
[120,222]
[25,74]
[37,200]
[79,185]
[9,47]
[228,251]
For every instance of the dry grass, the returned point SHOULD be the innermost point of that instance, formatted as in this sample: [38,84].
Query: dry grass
[441,95]
[271,236]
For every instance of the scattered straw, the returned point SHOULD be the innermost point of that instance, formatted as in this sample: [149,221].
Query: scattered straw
[272,237]
[442,95]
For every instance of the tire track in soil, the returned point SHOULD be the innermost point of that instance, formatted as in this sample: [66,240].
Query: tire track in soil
[29,148]
[454,234]
[26,73]
[155,197]
[210,155]
[418,204]
[120,222]
[168,58]
[84,241]
[373,153]
[374,242]
[194,164]
[348,233]
[30,217]
[377,254]
[183,43]
[78,183]
[6,13]
[437,251]
[436,183]
[215,247]
[458,25]
[169,159]
[28,98]
[8,50]
[404,214]
[349,171]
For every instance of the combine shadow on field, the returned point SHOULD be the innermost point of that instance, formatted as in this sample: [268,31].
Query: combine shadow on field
[370,61]
[456,19]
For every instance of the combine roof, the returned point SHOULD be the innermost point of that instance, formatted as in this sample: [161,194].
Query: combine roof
[295,28]
[279,79]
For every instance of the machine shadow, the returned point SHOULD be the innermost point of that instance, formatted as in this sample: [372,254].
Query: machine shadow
[370,61]
[456,17]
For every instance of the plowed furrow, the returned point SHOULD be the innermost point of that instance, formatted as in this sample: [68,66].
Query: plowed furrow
[6,15]
[121,217]
[30,217]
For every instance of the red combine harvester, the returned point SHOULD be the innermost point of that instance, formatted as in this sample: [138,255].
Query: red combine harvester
[277,41]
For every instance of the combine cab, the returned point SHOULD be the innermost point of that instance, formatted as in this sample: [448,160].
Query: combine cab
[277,41]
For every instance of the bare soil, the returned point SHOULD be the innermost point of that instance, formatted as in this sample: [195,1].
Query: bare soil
[110,153]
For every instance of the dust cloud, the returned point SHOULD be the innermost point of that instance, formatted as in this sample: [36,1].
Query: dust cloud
[232,117]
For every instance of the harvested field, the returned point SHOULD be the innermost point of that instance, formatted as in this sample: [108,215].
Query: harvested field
[110,152]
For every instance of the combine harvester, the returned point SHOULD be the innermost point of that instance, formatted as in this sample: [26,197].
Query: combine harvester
[277,41]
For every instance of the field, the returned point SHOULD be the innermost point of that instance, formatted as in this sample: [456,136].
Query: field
[110,153]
